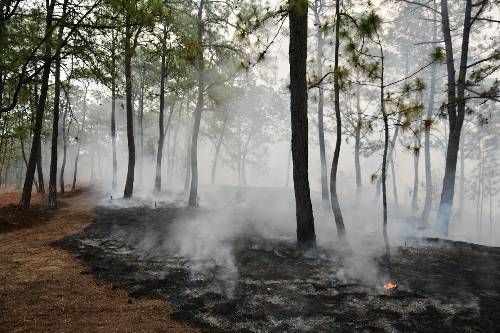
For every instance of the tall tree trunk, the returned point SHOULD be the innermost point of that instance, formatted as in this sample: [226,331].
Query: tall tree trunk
[357,144]
[414,197]
[461,196]
[52,204]
[193,194]
[23,153]
[141,122]
[40,109]
[390,161]
[168,135]
[391,151]
[39,171]
[129,184]
[306,236]
[385,118]
[65,147]
[337,212]
[239,148]
[187,178]
[321,132]
[81,131]
[173,168]
[218,145]
[427,131]
[113,112]
[491,201]
[456,111]
[161,121]
[390,156]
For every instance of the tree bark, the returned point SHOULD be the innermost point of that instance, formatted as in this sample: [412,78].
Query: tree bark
[456,111]
[65,148]
[337,212]
[141,122]
[461,196]
[187,178]
[306,236]
[81,130]
[218,145]
[39,171]
[193,194]
[161,138]
[385,118]
[390,161]
[427,131]
[52,200]
[113,111]
[321,132]
[40,109]
[357,144]
[414,197]
[129,183]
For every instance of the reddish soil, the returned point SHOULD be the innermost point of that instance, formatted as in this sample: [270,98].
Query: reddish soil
[45,289]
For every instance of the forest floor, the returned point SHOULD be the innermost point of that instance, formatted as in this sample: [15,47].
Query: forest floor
[46,289]
[142,265]
[251,282]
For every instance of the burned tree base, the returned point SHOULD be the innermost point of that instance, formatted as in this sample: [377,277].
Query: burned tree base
[259,284]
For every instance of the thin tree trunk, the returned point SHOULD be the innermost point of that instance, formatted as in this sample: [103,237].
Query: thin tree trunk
[385,118]
[193,194]
[81,130]
[129,184]
[52,200]
[141,122]
[218,145]
[306,236]
[168,135]
[427,130]
[35,147]
[461,196]
[414,198]
[337,212]
[187,179]
[357,144]
[394,181]
[161,138]
[65,148]
[23,152]
[480,194]
[39,171]
[491,201]
[479,189]
[113,111]
[321,133]
[175,148]
[456,111]
[391,153]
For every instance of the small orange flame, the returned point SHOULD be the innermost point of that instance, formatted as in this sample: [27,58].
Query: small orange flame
[391,284]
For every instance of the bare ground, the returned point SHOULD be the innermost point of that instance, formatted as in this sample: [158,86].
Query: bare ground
[444,286]
[45,289]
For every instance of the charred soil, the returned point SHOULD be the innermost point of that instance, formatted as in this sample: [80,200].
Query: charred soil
[443,286]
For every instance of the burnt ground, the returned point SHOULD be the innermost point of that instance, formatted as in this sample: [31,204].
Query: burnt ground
[266,286]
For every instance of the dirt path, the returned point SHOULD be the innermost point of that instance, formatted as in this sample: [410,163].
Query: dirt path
[44,289]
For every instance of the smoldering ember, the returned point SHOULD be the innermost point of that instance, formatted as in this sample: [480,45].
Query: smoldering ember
[249,166]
